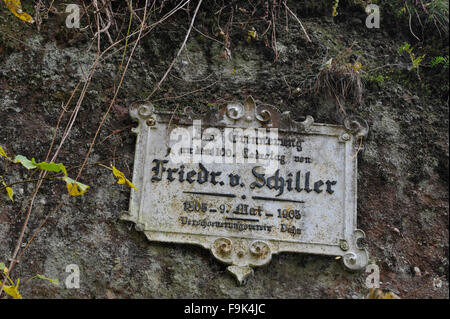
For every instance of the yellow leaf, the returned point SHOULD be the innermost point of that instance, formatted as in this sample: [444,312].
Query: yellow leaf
[75,188]
[8,189]
[380,294]
[16,8]
[122,179]
[357,66]
[13,291]
[10,193]
[251,35]
[335,6]
[3,153]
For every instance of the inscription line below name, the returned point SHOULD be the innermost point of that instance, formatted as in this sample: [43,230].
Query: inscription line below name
[278,199]
[244,219]
[211,194]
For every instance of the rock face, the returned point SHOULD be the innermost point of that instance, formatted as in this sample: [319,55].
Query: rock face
[402,166]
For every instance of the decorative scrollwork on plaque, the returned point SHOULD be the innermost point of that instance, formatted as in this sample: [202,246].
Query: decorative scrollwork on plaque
[145,111]
[260,249]
[356,125]
[263,114]
[222,247]
[189,112]
[241,254]
[249,111]
[307,122]
[235,111]
[357,257]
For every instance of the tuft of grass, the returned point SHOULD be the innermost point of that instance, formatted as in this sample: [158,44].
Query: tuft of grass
[426,15]
[341,81]
[438,15]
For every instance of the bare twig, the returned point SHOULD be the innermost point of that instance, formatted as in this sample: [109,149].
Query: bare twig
[185,94]
[298,20]
[157,86]
[115,94]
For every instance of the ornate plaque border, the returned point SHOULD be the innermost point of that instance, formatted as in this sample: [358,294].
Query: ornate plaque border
[239,252]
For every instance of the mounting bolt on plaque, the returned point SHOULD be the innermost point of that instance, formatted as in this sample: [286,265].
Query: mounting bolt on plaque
[343,245]
[151,122]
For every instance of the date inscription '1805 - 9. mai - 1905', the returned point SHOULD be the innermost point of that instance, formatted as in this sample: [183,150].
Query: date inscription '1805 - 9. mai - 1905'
[247,182]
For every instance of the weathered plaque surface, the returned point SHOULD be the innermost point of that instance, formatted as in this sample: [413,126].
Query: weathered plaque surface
[240,209]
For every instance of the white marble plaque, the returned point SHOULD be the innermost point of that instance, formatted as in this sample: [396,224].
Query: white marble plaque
[248,182]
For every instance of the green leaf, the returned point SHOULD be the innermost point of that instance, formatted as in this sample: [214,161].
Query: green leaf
[2,266]
[24,161]
[51,167]
[53,281]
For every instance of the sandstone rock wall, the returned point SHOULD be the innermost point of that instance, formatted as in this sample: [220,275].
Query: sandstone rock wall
[403,166]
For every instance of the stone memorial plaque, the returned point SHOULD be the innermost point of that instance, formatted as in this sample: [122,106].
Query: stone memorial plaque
[247,182]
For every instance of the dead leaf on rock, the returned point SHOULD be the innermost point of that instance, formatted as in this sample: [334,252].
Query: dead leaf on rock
[16,8]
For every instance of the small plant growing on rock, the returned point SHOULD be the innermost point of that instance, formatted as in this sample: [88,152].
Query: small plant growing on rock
[335,7]
[12,289]
[415,60]
[340,80]
[440,60]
